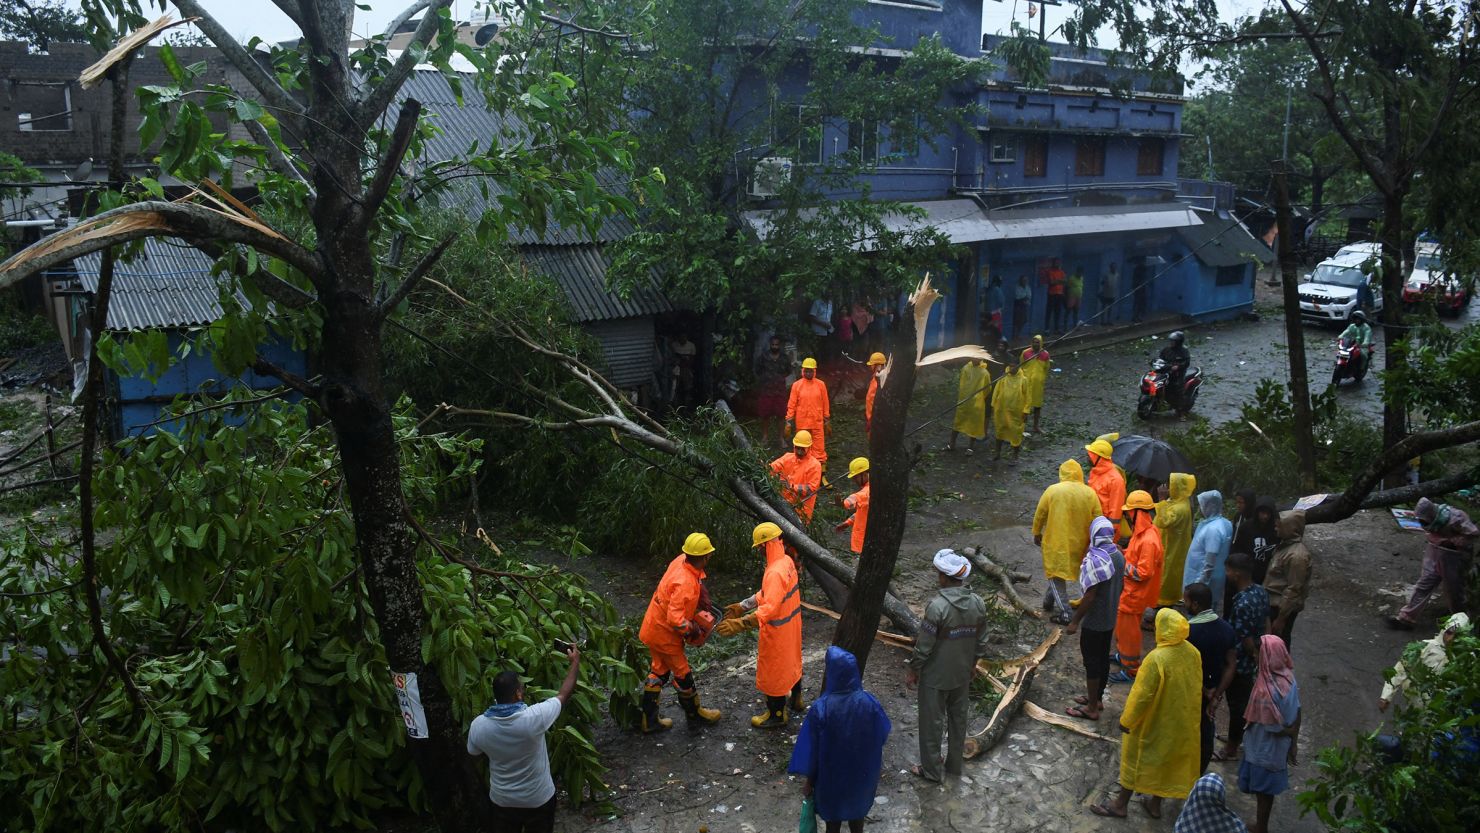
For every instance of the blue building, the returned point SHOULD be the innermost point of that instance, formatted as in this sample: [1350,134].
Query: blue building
[1078,170]
[169,286]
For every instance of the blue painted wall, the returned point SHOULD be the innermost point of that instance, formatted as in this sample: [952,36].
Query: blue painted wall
[191,375]
[958,23]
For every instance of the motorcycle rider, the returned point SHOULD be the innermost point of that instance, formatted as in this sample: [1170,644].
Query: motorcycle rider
[1178,359]
[1360,333]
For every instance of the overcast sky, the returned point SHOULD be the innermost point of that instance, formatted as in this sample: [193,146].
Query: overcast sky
[246,18]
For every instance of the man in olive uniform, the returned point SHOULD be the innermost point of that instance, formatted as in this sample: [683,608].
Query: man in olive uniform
[953,635]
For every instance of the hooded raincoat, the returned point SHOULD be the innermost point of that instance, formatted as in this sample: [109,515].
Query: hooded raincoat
[796,472]
[1159,751]
[868,402]
[841,744]
[1288,579]
[1009,403]
[1142,585]
[672,608]
[1174,518]
[809,406]
[858,502]
[1209,549]
[1245,523]
[1064,514]
[778,663]
[1109,484]
[1035,374]
[971,415]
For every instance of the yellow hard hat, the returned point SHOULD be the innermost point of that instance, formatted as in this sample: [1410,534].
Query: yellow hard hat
[763,533]
[1102,447]
[1139,499]
[697,544]
[802,439]
[858,466]
[809,364]
[877,359]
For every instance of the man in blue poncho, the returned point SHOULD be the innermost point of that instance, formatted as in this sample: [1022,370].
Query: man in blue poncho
[1207,556]
[840,750]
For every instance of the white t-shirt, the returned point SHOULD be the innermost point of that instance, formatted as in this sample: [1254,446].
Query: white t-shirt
[518,765]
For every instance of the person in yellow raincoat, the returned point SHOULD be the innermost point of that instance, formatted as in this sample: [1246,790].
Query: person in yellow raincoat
[776,611]
[1009,403]
[1061,528]
[1035,363]
[971,404]
[1159,747]
[1175,520]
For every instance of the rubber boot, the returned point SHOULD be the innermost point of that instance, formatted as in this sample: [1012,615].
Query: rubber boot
[651,722]
[697,714]
[774,717]
[795,703]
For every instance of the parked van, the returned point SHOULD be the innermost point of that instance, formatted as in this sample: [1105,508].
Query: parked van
[1329,293]
[1428,283]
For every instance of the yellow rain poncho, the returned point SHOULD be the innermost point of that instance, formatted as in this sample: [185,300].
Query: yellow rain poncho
[1064,514]
[1035,362]
[1159,750]
[1175,520]
[1009,402]
[971,415]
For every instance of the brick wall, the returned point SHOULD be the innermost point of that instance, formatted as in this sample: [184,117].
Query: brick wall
[43,85]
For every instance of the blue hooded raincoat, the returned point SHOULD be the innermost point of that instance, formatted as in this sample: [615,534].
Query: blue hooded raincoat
[841,745]
[1208,553]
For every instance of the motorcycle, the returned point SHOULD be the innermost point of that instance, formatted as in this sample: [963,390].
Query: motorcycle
[1351,362]
[1156,393]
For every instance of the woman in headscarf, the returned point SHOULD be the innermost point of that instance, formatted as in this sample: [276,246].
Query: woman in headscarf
[1159,745]
[840,750]
[1206,810]
[1273,718]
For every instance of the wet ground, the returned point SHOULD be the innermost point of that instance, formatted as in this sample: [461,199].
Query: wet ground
[1041,777]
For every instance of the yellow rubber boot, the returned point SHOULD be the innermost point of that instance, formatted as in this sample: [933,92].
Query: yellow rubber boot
[696,713]
[774,717]
[651,722]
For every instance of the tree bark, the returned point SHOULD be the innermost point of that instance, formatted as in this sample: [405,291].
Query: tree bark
[1394,456]
[1305,444]
[1394,417]
[889,483]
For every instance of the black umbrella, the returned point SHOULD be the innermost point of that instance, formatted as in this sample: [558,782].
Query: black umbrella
[1149,457]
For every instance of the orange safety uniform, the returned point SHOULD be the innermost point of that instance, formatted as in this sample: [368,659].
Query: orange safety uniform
[1109,484]
[1142,586]
[858,502]
[670,616]
[778,607]
[868,403]
[796,472]
[809,406]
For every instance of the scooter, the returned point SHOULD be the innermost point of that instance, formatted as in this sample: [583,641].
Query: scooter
[1351,362]
[1156,393]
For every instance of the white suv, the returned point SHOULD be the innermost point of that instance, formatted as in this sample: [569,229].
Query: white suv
[1329,293]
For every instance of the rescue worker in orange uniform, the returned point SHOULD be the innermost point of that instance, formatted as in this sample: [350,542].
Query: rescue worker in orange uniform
[1106,480]
[876,363]
[810,409]
[777,612]
[1142,583]
[679,614]
[858,502]
[800,473]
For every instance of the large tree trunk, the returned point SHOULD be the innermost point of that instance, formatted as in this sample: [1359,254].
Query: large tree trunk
[1394,417]
[1305,445]
[889,483]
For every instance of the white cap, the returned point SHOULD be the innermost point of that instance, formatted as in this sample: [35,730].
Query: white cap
[953,565]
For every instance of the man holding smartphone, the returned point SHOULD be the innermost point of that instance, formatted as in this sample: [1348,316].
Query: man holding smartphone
[511,735]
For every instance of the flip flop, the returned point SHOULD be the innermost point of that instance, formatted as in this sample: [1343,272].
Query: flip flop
[1146,805]
[1220,755]
[1075,711]
[1106,811]
[1082,700]
[1121,677]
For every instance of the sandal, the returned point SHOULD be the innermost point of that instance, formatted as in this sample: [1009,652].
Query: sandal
[1082,700]
[1121,677]
[1220,755]
[1075,711]
[1146,805]
[1107,811]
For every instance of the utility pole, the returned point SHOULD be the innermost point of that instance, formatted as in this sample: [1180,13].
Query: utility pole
[1305,446]
[1289,101]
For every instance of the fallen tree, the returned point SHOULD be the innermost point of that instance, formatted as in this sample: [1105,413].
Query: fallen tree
[1359,494]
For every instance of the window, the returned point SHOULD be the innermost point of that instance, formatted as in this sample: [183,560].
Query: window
[798,126]
[1004,147]
[863,140]
[42,105]
[1230,275]
[1089,156]
[1035,156]
[1149,157]
[904,140]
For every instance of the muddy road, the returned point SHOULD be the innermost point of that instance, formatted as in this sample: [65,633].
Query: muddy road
[1041,777]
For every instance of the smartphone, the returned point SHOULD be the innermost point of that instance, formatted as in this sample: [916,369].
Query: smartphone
[562,646]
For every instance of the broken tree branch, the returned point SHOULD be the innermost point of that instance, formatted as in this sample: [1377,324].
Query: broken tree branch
[1347,503]
[417,273]
[390,165]
[380,95]
[237,55]
[982,562]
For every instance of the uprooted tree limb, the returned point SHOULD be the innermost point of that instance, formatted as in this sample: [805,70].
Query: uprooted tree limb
[1360,495]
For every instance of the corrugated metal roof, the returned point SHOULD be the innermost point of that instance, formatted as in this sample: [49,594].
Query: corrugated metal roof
[168,285]
[628,346]
[1220,241]
[470,128]
[961,220]
[581,273]
[1091,219]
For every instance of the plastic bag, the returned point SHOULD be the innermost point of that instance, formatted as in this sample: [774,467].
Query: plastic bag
[809,816]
